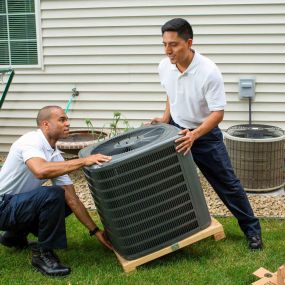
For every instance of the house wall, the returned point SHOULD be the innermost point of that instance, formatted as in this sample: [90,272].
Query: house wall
[109,50]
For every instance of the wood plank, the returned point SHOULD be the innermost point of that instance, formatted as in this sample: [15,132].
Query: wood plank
[281,275]
[215,229]
[269,278]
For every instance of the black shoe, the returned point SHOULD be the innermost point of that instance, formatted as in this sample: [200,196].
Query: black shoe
[48,263]
[9,239]
[255,242]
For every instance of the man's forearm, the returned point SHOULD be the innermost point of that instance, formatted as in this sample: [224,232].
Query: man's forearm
[54,169]
[78,208]
[83,216]
[166,114]
[43,169]
[211,122]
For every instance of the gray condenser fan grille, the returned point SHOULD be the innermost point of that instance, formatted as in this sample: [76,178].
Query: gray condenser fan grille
[145,202]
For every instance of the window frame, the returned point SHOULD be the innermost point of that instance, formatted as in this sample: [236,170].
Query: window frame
[39,42]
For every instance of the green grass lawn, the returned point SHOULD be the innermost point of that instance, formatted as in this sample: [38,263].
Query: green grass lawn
[207,262]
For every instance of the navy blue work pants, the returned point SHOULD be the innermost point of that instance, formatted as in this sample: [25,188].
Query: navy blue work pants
[41,211]
[210,155]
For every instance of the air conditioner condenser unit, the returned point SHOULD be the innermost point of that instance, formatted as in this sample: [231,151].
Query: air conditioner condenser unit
[148,196]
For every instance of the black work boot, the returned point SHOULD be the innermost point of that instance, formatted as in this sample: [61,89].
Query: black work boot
[255,242]
[48,263]
[10,239]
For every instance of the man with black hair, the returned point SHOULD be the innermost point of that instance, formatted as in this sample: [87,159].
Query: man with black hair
[28,207]
[195,103]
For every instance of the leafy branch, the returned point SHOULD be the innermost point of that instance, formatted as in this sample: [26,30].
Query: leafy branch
[114,126]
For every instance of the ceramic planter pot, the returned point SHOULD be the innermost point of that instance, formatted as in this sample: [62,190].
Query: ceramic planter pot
[78,139]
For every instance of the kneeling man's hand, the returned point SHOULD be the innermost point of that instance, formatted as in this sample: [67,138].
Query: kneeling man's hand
[96,159]
[103,239]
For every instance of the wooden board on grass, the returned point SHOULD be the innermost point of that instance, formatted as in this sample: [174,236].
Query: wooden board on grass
[215,229]
[269,278]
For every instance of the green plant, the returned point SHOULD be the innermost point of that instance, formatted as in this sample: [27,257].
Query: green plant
[114,126]
[93,131]
[114,129]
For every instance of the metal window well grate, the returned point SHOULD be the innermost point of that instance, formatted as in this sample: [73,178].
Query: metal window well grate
[257,155]
[148,196]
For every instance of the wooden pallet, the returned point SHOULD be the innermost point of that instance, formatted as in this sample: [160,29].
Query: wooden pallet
[215,229]
[269,278]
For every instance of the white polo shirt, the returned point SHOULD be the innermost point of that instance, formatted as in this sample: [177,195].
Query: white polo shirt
[15,176]
[195,93]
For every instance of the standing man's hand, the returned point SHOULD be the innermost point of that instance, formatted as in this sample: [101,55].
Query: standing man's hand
[185,143]
[102,238]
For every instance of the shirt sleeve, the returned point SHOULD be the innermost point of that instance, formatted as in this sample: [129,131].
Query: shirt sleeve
[29,151]
[215,92]
[63,179]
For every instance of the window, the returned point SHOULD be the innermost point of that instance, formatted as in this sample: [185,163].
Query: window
[18,33]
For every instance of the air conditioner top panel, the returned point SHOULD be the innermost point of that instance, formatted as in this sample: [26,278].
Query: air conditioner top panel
[132,143]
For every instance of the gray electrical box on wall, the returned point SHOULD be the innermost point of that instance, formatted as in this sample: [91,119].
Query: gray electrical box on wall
[246,88]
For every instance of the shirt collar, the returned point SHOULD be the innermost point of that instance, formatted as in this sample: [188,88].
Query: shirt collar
[48,147]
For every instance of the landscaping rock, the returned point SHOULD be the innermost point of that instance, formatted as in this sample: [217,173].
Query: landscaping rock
[263,205]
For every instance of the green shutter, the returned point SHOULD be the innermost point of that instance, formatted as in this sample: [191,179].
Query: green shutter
[4,50]
[2,6]
[18,42]
[21,6]
[4,53]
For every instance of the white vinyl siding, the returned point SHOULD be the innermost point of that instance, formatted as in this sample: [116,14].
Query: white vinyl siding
[110,50]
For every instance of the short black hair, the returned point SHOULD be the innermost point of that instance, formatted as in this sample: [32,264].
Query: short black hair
[179,25]
[44,113]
